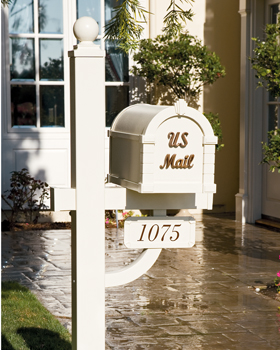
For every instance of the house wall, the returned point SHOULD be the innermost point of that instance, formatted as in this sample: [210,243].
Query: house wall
[222,35]
[217,24]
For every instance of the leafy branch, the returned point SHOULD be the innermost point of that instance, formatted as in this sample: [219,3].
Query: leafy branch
[271,150]
[5,2]
[266,64]
[125,26]
[266,60]
[176,15]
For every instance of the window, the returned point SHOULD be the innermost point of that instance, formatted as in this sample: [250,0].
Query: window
[273,103]
[116,62]
[36,37]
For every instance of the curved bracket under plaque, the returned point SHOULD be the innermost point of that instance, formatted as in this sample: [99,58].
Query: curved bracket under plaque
[134,270]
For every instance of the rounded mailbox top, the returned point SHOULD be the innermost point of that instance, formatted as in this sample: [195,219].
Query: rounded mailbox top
[141,119]
[86,29]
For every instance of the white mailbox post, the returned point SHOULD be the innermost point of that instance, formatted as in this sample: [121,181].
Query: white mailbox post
[160,158]
[87,79]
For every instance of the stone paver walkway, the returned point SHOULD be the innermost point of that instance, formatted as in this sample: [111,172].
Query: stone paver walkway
[197,298]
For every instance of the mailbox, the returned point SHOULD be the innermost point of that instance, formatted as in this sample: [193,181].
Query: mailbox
[162,149]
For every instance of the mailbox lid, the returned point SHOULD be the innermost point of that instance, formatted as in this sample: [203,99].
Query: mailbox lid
[136,118]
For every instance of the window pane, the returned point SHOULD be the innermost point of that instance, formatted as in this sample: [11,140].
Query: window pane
[90,8]
[272,98]
[51,59]
[21,16]
[116,101]
[273,111]
[23,105]
[22,64]
[274,12]
[52,106]
[109,9]
[116,63]
[50,16]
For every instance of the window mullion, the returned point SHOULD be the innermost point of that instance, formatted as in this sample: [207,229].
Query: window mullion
[102,17]
[37,61]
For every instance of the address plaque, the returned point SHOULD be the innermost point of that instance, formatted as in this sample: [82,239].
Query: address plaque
[159,232]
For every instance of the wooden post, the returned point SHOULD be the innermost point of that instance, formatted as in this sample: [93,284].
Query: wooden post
[87,89]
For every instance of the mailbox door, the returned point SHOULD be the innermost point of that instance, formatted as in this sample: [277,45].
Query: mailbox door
[178,165]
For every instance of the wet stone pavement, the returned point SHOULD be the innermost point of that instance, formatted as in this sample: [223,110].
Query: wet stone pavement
[196,298]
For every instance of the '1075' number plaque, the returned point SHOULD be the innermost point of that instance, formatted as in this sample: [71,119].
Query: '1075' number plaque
[159,232]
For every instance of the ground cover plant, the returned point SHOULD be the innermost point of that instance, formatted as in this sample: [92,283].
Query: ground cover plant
[26,324]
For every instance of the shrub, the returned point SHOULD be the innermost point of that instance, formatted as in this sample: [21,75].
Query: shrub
[26,195]
[266,64]
[179,62]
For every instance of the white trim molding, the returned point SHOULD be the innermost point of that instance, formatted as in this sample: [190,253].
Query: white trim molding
[249,198]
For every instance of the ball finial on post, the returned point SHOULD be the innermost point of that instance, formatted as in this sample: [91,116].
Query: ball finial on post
[86,31]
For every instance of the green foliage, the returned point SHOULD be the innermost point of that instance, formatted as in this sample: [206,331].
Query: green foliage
[26,195]
[53,69]
[5,2]
[125,26]
[266,60]
[216,125]
[179,62]
[26,324]
[176,16]
[266,64]
[271,151]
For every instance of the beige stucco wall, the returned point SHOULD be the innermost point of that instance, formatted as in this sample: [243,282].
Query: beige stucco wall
[217,24]
[222,35]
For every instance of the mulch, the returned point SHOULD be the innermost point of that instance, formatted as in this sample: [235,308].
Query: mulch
[21,226]
[271,292]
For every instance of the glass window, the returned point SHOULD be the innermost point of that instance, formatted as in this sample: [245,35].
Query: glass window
[274,9]
[36,62]
[273,103]
[90,8]
[50,16]
[22,62]
[51,59]
[116,63]
[52,106]
[116,101]
[21,16]
[23,105]
[109,9]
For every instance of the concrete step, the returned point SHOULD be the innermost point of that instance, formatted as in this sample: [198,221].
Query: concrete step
[268,223]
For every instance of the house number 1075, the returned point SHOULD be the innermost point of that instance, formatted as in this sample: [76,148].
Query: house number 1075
[156,231]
